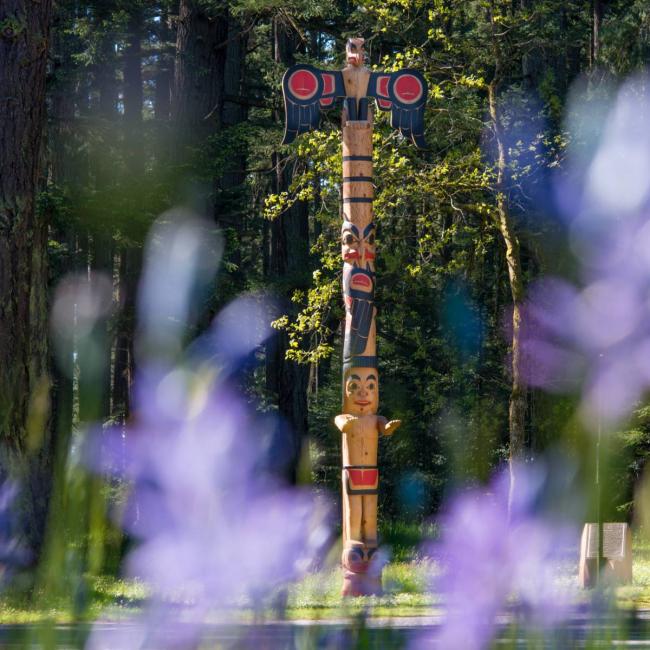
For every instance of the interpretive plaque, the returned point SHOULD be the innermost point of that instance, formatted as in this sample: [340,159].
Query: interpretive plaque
[617,554]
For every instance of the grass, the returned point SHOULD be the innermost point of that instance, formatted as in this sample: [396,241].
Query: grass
[316,597]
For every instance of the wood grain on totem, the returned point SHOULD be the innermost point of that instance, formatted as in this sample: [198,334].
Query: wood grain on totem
[356,81]
[357,142]
[357,168]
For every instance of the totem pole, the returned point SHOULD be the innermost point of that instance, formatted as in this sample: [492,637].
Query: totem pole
[306,91]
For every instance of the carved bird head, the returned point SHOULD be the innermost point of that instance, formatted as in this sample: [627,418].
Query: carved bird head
[355,53]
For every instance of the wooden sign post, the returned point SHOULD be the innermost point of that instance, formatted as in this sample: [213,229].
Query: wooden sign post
[306,91]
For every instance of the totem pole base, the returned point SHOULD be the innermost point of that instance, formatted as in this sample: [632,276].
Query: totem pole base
[361,584]
[362,569]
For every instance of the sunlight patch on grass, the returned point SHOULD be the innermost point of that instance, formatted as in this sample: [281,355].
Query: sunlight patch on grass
[316,597]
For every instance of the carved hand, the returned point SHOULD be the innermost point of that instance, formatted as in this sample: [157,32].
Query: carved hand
[344,421]
[390,427]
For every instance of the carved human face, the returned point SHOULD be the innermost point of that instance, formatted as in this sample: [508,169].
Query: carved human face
[361,391]
[354,51]
[358,247]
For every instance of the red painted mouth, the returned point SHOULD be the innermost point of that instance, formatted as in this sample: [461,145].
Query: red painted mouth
[370,256]
[351,255]
[361,281]
[362,403]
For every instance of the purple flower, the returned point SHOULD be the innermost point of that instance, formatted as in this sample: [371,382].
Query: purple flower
[214,523]
[489,555]
[593,337]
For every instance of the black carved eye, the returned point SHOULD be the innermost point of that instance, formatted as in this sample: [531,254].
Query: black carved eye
[349,239]
[354,386]
[371,239]
[371,386]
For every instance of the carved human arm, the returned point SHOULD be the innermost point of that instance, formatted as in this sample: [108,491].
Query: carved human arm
[344,422]
[386,428]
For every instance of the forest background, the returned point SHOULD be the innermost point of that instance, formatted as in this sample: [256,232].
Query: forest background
[134,108]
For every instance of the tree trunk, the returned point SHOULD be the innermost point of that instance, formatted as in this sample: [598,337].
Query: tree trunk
[129,256]
[95,371]
[198,97]
[133,96]
[24,383]
[231,202]
[596,23]
[289,263]
[198,73]
[164,67]
[234,111]
[517,410]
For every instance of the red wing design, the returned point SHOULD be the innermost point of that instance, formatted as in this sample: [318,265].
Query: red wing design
[404,94]
[307,90]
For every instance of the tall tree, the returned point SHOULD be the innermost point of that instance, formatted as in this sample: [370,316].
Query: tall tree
[289,267]
[129,253]
[198,94]
[24,384]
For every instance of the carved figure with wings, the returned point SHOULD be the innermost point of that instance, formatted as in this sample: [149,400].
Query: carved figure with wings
[308,90]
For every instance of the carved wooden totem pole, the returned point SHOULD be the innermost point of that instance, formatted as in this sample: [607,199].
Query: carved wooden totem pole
[404,93]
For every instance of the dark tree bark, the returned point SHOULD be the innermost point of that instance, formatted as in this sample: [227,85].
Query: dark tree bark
[198,93]
[231,204]
[95,376]
[289,266]
[24,383]
[197,97]
[133,95]
[129,255]
[234,109]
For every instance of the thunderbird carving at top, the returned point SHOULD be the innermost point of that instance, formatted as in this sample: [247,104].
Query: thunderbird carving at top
[308,90]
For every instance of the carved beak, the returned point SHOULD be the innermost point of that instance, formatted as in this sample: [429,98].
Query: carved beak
[355,58]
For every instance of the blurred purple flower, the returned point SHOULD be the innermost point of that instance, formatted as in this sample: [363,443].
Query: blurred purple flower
[489,555]
[595,338]
[214,523]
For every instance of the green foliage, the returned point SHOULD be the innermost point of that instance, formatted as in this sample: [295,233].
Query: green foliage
[442,292]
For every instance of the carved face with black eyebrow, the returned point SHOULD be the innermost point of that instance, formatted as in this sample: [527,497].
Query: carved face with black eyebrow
[361,391]
[358,248]
[354,51]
